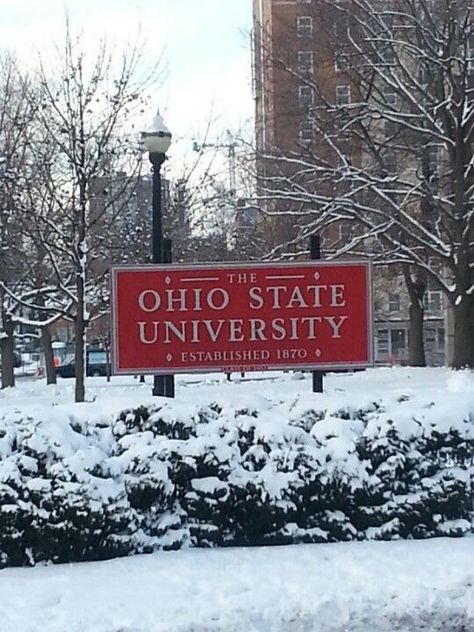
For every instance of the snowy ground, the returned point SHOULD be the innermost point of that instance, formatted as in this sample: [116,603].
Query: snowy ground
[270,389]
[370,587]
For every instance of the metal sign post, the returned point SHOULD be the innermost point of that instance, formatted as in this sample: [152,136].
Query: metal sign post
[315,254]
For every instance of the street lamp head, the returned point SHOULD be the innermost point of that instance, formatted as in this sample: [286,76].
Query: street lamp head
[157,138]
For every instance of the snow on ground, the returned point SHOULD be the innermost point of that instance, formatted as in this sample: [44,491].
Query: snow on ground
[358,587]
[260,390]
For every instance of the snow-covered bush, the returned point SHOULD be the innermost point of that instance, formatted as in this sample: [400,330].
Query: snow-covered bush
[164,476]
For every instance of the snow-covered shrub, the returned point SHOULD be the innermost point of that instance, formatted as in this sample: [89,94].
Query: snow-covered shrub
[164,476]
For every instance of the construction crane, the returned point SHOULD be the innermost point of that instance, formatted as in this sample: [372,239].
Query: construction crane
[230,145]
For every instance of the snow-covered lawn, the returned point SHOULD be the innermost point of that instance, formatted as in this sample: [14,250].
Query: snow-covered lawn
[357,586]
[270,389]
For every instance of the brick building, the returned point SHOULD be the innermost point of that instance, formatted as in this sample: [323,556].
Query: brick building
[299,74]
[293,54]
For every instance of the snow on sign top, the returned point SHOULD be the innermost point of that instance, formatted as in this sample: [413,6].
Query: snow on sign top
[241,317]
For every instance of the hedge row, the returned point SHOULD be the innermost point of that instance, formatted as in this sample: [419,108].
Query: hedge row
[157,478]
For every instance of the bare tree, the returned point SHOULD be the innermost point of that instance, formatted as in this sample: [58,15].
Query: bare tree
[15,115]
[395,157]
[45,300]
[85,106]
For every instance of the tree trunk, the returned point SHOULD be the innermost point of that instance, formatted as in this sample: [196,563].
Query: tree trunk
[463,350]
[7,346]
[80,329]
[416,287]
[81,271]
[48,356]
[416,347]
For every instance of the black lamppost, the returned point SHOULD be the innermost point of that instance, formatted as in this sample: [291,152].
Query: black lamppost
[157,140]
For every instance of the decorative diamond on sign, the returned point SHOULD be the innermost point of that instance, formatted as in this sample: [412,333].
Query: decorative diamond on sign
[317,353]
[167,280]
[316,276]
[169,357]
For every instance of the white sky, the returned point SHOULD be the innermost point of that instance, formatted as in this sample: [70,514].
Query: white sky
[204,44]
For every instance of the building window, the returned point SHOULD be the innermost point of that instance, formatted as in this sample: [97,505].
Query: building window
[304,26]
[390,97]
[397,342]
[342,158]
[341,62]
[433,159]
[345,232]
[391,344]
[435,339]
[383,347]
[430,165]
[305,62]
[305,95]
[343,95]
[388,56]
[470,59]
[306,131]
[422,75]
[393,302]
[433,301]
[440,338]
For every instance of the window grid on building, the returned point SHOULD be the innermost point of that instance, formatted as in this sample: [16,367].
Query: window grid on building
[435,339]
[394,302]
[341,62]
[422,75]
[306,130]
[391,343]
[389,97]
[388,56]
[345,232]
[305,95]
[433,157]
[341,27]
[304,26]
[470,58]
[433,301]
[432,164]
[343,95]
[305,62]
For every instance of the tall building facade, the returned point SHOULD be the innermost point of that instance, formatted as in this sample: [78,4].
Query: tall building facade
[297,77]
[300,56]
[293,52]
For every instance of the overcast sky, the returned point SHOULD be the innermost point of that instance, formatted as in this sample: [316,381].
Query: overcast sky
[204,44]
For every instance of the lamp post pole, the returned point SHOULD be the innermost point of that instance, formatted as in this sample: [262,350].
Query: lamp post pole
[157,239]
[157,225]
[157,140]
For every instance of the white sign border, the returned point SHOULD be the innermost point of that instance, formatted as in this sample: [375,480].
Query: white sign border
[174,267]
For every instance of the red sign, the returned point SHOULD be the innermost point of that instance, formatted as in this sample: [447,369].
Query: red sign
[236,317]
